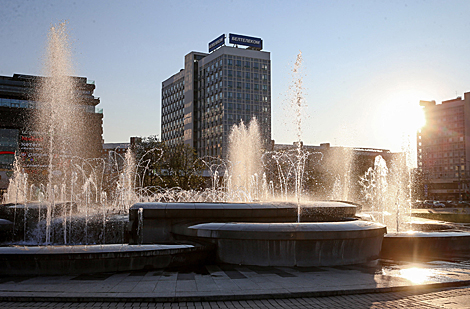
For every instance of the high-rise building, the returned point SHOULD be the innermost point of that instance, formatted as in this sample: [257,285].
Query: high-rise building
[216,90]
[17,107]
[444,149]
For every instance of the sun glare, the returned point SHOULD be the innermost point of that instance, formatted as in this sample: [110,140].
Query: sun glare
[401,116]
[416,275]
[404,110]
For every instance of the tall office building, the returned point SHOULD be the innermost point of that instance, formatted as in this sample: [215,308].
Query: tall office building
[216,90]
[444,149]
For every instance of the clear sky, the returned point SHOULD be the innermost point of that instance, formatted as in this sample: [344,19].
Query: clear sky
[366,64]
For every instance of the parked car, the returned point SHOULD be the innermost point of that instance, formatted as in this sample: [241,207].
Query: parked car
[428,204]
[437,204]
[450,204]
[463,204]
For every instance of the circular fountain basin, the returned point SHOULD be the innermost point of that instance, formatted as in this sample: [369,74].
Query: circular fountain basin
[315,210]
[292,244]
[80,259]
[425,245]
[157,220]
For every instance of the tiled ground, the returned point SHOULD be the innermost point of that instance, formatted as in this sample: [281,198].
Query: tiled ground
[457,298]
[228,282]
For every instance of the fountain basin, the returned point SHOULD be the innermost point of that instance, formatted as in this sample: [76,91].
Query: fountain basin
[79,259]
[291,244]
[424,245]
[158,219]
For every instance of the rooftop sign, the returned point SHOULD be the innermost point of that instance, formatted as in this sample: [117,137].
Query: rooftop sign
[217,42]
[245,40]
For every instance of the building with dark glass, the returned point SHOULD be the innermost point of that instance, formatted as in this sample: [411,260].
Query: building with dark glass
[213,92]
[17,108]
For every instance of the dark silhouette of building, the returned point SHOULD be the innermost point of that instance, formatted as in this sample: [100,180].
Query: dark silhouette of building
[18,107]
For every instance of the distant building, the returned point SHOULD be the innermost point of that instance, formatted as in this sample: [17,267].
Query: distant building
[444,149]
[118,148]
[17,106]
[213,92]
[327,164]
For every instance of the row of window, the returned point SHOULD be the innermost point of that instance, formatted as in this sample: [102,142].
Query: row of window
[175,87]
[173,116]
[247,64]
[247,96]
[246,75]
[239,85]
[443,154]
[237,74]
[172,98]
[438,141]
[451,175]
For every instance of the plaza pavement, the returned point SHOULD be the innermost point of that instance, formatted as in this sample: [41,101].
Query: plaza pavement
[229,286]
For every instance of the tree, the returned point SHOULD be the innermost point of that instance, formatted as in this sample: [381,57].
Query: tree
[162,166]
[183,169]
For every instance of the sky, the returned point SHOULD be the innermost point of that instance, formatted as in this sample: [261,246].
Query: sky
[366,64]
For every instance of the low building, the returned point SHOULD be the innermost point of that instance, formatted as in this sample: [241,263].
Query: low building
[17,108]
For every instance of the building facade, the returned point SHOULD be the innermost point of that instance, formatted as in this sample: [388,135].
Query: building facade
[444,149]
[213,92]
[17,108]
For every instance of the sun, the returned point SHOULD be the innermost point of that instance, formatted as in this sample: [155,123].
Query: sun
[402,109]
[401,116]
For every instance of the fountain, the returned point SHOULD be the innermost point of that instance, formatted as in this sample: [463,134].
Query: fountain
[75,225]
[291,232]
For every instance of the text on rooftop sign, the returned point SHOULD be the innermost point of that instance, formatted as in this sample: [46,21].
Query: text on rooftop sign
[217,42]
[245,40]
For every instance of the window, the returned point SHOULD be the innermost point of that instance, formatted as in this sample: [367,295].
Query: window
[247,74]
[239,63]
[264,77]
[229,61]
[229,72]
[247,64]
[230,85]
[239,84]
[239,96]
[265,87]
[247,96]
[255,65]
[264,66]
[247,85]
[255,75]
[239,74]
[256,86]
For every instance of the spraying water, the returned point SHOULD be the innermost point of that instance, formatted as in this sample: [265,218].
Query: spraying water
[386,192]
[245,157]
